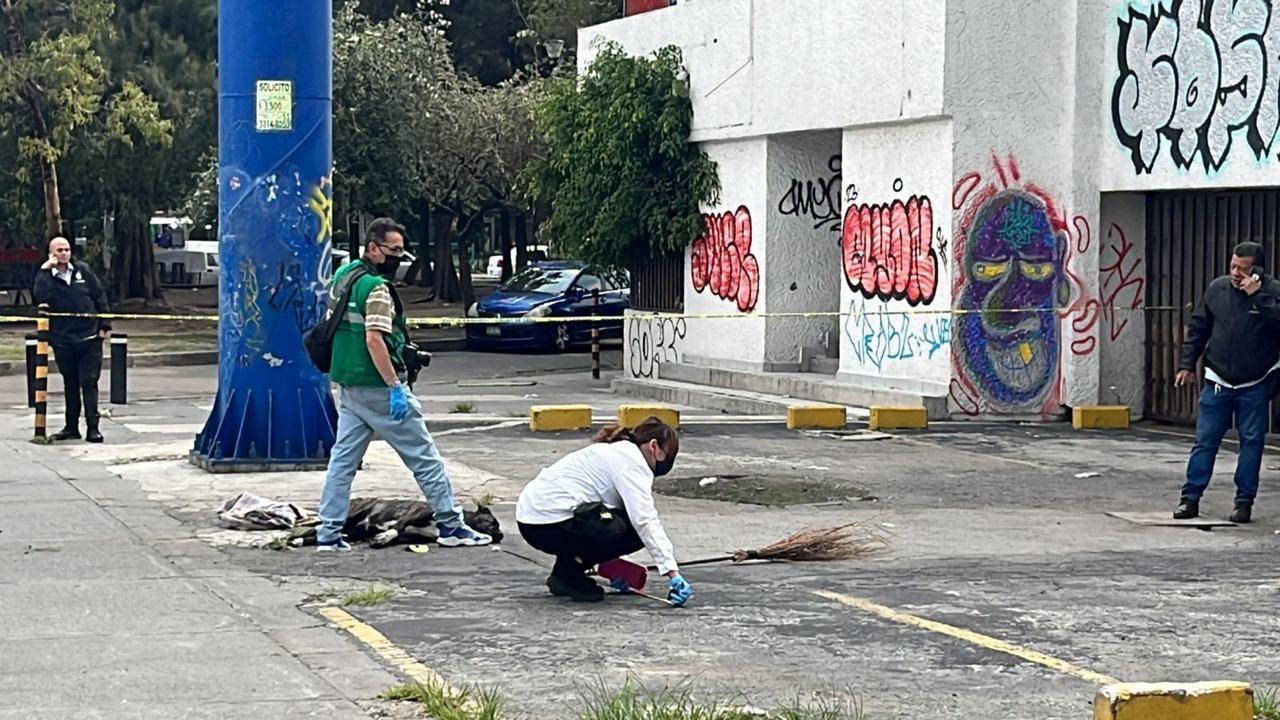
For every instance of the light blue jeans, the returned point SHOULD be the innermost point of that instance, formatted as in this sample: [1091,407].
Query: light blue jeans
[361,413]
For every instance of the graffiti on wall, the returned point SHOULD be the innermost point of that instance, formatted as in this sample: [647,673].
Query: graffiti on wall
[1197,72]
[817,200]
[879,337]
[721,259]
[652,342]
[1123,282]
[1012,285]
[888,249]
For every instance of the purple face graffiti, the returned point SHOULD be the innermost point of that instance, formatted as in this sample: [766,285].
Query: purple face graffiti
[1013,272]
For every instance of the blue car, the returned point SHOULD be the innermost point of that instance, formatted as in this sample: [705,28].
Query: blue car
[536,296]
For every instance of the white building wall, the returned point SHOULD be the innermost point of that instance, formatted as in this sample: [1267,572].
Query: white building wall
[726,267]
[895,257]
[1032,129]
[764,67]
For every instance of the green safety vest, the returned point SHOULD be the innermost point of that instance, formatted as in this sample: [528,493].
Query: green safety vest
[352,365]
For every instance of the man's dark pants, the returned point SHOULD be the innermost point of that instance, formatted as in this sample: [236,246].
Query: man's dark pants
[1218,405]
[80,365]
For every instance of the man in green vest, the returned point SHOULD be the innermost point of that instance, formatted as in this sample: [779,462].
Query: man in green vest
[369,369]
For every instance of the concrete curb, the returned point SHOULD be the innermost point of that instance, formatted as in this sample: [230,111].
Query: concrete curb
[205,357]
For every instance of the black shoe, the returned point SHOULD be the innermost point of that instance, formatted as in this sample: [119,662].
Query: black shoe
[1187,510]
[91,433]
[577,589]
[68,433]
[1242,515]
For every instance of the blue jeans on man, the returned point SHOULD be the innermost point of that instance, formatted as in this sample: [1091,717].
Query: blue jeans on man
[1218,406]
[362,412]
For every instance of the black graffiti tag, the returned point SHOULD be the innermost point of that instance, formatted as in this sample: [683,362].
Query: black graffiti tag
[818,200]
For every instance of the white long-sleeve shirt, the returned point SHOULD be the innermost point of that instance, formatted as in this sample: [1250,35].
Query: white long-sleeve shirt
[615,474]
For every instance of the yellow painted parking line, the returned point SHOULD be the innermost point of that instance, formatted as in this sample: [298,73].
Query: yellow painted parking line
[386,649]
[983,641]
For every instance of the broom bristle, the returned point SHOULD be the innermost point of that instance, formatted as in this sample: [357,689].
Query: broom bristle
[846,542]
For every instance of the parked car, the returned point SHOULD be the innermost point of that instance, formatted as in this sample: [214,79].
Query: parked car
[536,253]
[539,294]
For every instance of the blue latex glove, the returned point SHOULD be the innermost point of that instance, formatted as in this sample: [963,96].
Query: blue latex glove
[399,402]
[680,592]
[620,585]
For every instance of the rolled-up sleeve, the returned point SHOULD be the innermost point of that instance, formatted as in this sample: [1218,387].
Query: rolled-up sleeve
[379,311]
[636,489]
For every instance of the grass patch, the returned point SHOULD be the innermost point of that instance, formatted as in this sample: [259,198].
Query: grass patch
[634,702]
[631,702]
[369,597]
[14,347]
[463,408]
[466,703]
[1266,704]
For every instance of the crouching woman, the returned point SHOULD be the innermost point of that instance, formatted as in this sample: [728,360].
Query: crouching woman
[596,504]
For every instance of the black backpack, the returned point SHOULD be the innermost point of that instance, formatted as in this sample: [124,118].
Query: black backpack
[318,340]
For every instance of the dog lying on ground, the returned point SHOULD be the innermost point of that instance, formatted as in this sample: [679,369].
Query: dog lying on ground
[383,522]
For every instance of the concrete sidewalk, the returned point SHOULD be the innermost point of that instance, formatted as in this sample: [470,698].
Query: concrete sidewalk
[112,609]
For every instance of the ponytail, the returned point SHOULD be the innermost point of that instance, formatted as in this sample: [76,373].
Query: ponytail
[612,434]
[650,429]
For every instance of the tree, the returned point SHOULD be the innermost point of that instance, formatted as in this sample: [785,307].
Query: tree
[624,182]
[549,20]
[55,89]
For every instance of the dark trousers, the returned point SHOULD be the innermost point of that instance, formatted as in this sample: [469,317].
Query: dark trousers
[580,543]
[80,365]
[1218,405]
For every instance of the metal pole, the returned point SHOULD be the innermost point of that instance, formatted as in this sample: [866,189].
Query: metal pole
[595,334]
[274,410]
[42,371]
[31,370]
[119,369]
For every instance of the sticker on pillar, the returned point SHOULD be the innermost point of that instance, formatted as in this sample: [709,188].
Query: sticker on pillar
[274,106]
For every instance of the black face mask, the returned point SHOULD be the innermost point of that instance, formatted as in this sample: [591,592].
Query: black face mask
[389,265]
[662,467]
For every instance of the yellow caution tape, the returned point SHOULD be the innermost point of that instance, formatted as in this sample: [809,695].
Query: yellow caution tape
[463,321]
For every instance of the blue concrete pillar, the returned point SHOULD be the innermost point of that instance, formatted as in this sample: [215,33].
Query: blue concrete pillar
[273,410]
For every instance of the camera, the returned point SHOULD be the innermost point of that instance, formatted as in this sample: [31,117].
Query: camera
[415,360]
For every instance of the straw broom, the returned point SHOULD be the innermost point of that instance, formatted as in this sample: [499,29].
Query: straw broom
[845,542]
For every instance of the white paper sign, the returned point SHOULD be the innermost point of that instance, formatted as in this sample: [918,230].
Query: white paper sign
[275,106]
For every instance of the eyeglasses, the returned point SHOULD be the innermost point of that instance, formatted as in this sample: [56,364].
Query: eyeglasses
[396,251]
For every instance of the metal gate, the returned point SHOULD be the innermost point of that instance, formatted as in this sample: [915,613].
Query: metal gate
[1190,236]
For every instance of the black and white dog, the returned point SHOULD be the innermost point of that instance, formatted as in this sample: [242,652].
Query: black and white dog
[391,522]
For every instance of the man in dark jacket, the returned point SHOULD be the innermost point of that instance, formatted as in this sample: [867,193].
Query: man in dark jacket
[71,287]
[1237,330]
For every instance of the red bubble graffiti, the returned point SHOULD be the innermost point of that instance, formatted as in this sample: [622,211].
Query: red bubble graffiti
[722,260]
[888,251]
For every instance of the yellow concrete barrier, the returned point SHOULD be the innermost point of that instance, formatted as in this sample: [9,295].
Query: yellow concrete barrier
[630,416]
[899,418]
[816,417]
[1175,701]
[1100,417]
[550,418]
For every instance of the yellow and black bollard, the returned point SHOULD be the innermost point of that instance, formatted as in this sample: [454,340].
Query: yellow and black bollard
[42,371]
[595,334]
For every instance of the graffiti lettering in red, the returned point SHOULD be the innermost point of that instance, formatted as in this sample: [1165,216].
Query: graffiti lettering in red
[888,251]
[1122,281]
[722,260]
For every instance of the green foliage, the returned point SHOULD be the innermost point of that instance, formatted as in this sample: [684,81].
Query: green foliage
[623,179]
[59,91]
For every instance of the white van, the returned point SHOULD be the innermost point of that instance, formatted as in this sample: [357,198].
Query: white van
[195,264]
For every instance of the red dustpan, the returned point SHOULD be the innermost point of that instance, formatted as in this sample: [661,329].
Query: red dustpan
[628,572]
